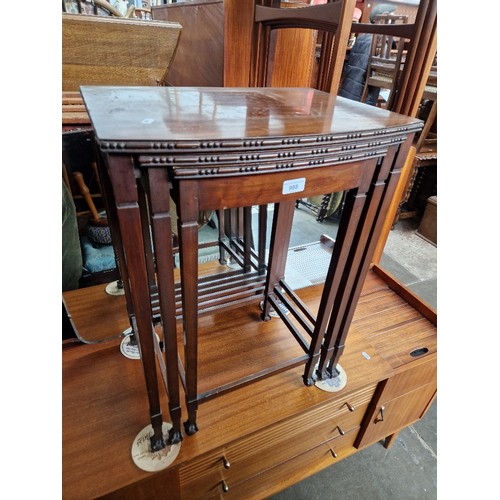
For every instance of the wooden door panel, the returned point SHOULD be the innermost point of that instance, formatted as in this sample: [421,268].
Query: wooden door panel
[389,417]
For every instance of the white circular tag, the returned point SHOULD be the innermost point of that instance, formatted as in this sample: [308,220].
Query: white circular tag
[272,311]
[153,461]
[334,384]
[112,289]
[131,351]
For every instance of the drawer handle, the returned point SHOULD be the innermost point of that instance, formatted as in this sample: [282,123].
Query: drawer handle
[341,431]
[349,406]
[419,352]
[225,487]
[226,463]
[334,455]
[381,412]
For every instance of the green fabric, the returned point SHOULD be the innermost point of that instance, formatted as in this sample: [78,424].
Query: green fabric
[72,262]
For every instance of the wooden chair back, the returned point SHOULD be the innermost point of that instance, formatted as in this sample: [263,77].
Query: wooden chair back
[386,57]
[97,8]
[385,46]
[100,50]
[330,23]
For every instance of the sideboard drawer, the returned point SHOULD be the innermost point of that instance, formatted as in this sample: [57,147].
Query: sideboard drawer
[241,460]
[278,451]
[297,468]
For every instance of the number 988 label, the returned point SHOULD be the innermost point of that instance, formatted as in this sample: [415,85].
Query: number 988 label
[294,185]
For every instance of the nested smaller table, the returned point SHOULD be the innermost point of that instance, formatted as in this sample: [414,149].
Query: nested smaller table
[229,148]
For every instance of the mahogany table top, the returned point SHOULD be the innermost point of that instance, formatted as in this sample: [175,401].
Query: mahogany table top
[181,114]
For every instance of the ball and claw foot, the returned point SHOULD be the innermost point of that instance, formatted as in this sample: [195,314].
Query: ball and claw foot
[332,372]
[157,444]
[174,437]
[263,317]
[190,428]
[308,381]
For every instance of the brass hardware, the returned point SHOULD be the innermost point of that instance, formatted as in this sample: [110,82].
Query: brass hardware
[349,406]
[381,418]
[341,432]
[226,463]
[333,453]
[225,487]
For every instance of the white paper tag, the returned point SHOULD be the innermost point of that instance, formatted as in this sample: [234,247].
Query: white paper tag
[294,185]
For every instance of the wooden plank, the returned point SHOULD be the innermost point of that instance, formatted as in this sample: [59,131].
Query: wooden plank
[116,51]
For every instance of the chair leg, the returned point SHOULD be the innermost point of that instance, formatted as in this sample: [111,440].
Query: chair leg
[365,93]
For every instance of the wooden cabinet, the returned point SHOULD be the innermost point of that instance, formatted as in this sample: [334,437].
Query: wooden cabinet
[199,58]
[399,401]
[259,439]
[410,346]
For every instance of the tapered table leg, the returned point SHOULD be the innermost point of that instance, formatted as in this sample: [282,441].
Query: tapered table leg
[379,198]
[129,219]
[162,237]
[338,262]
[262,234]
[188,243]
[280,240]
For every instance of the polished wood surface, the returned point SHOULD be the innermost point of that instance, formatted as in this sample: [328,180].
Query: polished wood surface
[191,117]
[199,59]
[238,40]
[96,441]
[99,50]
[91,327]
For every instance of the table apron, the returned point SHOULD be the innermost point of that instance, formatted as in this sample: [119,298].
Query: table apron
[224,192]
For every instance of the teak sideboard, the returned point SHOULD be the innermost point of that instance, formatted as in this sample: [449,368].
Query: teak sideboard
[262,438]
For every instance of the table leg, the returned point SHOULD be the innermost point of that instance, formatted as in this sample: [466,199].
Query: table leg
[344,304]
[247,239]
[146,235]
[221,218]
[116,236]
[121,170]
[262,233]
[188,245]
[162,230]
[280,240]
[379,198]
[343,243]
